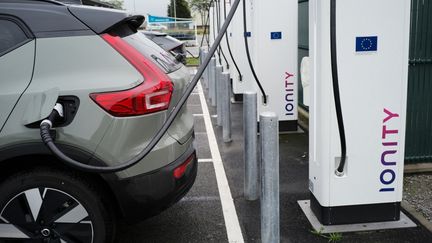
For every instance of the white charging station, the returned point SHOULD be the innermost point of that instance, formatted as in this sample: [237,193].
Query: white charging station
[211,25]
[275,57]
[372,52]
[224,47]
[245,83]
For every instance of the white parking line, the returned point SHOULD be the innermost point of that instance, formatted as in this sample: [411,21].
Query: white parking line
[200,199]
[228,208]
[205,160]
[198,115]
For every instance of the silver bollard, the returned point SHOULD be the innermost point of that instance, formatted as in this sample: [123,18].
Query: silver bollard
[201,58]
[219,101]
[250,132]
[212,83]
[226,107]
[270,217]
[205,74]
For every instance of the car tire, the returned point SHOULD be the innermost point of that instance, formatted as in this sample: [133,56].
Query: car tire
[50,205]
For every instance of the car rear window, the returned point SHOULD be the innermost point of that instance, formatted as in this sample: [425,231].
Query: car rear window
[154,52]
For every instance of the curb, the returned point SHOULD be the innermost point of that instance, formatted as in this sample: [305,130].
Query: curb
[418,216]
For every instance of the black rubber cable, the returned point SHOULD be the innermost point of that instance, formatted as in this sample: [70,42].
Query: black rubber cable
[248,54]
[336,92]
[229,49]
[47,139]
[218,16]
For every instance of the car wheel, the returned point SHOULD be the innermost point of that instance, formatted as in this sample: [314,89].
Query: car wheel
[46,205]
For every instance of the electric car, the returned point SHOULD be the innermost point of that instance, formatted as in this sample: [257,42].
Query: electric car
[115,88]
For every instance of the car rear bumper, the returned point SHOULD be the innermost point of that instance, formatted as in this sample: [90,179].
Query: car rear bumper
[149,194]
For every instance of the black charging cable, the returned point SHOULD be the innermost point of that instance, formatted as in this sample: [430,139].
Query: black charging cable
[336,91]
[47,124]
[248,54]
[229,48]
[218,16]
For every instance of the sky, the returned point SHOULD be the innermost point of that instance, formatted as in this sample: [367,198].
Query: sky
[144,7]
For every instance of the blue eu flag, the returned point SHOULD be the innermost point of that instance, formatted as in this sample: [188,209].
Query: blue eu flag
[366,43]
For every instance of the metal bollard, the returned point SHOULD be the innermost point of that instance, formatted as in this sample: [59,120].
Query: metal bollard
[201,58]
[250,132]
[270,218]
[219,101]
[226,107]
[212,75]
[205,74]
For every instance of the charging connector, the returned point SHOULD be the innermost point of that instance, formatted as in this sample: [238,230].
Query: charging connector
[46,125]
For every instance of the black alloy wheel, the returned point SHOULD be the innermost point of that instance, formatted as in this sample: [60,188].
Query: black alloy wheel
[51,207]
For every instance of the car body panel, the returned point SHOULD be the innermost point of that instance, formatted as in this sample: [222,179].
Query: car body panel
[15,80]
[60,64]
[111,140]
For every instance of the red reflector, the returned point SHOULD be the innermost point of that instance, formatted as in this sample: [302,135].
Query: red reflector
[181,170]
[153,95]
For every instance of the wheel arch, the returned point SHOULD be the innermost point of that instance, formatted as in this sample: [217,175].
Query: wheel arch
[30,159]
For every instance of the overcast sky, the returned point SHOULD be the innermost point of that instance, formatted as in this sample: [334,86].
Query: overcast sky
[153,7]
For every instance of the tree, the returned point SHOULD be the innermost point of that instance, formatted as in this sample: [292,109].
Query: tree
[182,9]
[202,7]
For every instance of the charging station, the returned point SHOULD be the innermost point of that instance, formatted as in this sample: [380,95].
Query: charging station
[211,24]
[368,61]
[244,83]
[224,6]
[275,54]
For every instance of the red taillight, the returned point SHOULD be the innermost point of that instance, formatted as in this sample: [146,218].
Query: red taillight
[181,170]
[153,95]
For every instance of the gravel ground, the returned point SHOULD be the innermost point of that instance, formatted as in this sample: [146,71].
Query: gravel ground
[418,193]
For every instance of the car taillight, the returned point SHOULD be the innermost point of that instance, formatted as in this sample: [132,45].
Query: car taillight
[181,170]
[153,95]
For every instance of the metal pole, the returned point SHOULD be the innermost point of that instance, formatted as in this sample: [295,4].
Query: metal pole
[226,107]
[196,33]
[212,83]
[219,91]
[203,55]
[250,146]
[175,11]
[270,228]
[201,58]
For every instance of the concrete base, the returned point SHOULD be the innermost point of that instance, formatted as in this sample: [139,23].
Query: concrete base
[404,222]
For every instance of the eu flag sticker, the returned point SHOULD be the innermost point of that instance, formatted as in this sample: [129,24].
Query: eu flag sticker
[366,43]
[276,35]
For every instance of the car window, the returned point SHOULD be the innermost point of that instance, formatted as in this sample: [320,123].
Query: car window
[11,36]
[152,51]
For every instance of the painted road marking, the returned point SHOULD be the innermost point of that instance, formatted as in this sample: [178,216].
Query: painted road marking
[229,211]
[200,199]
[205,160]
[198,115]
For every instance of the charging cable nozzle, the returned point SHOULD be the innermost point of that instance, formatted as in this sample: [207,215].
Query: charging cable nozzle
[47,124]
